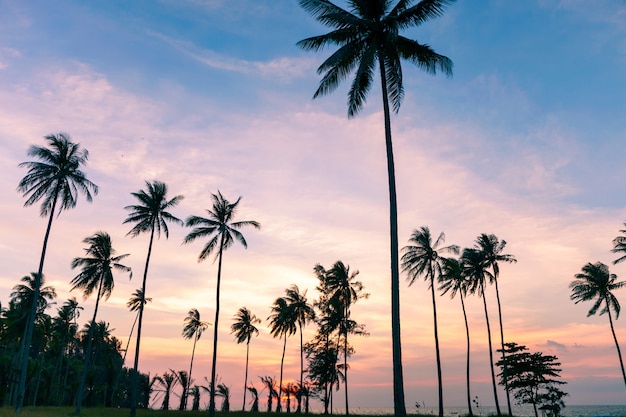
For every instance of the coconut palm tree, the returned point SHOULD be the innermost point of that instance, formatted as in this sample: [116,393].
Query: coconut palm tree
[270,384]
[167,382]
[244,328]
[597,284]
[422,258]
[474,268]
[222,232]
[223,391]
[619,246]
[282,324]
[453,281]
[491,248]
[368,36]
[304,314]
[55,179]
[254,408]
[343,291]
[96,274]
[194,327]
[150,215]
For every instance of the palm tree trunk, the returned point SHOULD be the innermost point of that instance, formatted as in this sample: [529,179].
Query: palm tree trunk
[245,381]
[398,383]
[27,340]
[117,378]
[81,385]
[299,395]
[493,375]
[619,352]
[280,383]
[187,388]
[504,367]
[215,326]
[345,360]
[467,369]
[439,379]
[135,376]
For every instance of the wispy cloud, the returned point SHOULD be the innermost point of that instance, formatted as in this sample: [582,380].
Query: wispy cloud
[283,69]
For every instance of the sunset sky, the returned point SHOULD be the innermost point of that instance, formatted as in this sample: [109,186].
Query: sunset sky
[525,141]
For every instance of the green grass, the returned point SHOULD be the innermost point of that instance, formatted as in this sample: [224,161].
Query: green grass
[124,412]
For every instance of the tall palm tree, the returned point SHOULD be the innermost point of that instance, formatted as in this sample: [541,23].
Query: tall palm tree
[597,284]
[343,291]
[422,258]
[222,231]
[453,281]
[491,248]
[303,313]
[96,274]
[475,269]
[149,215]
[368,36]
[194,327]
[282,324]
[244,328]
[56,179]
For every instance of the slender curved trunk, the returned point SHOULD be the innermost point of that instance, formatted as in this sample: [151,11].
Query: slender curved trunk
[439,379]
[467,367]
[345,359]
[87,364]
[28,338]
[215,326]
[398,382]
[135,376]
[188,387]
[117,378]
[504,367]
[279,400]
[619,352]
[493,375]
[245,381]
[299,394]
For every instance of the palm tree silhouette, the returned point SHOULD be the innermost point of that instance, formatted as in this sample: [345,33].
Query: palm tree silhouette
[194,327]
[475,269]
[223,232]
[491,249]
[282,324]
[96,274]
[452,280]
[422,257]
[167,382]
[303,313]
[368,36]
[150,215]
[270,384]
[244,328]
[597,284]
[56,179]
[343,291]
[254,408]
[619,246]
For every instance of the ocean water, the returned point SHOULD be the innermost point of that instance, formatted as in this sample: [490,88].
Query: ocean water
[521,411]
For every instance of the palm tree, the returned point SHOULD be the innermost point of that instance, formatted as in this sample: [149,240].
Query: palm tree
[596,283]
[282,324]
[96,274]
[491,249]
[167,382]
[270,384]
[475,269]
[255,399]
[56,179]
[367,36]
[422,258]
[303,313]
[194,327]
[244,328]
[223,391]
[150,215]
[619,246]
[452,280]
[222,231]
[343,291]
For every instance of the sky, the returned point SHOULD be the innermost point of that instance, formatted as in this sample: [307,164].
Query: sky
[525,141]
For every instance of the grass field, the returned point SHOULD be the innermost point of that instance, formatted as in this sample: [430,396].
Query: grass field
[124,412]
